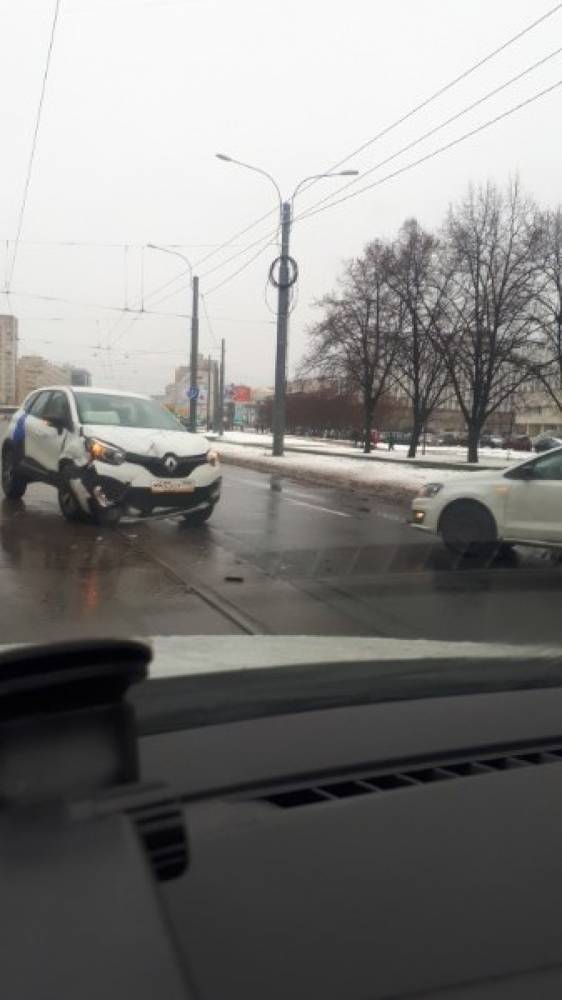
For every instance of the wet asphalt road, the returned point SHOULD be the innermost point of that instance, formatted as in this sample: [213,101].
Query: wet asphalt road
[277,557]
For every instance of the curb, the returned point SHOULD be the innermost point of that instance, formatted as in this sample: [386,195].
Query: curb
[390,492]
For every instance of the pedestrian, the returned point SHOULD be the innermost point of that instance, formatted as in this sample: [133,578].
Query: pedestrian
[355,437]
[391,440]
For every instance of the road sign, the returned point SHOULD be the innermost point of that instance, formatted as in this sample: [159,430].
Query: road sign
[192,392]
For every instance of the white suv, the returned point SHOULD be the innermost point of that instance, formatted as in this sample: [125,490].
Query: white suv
[108,454]
[522,505]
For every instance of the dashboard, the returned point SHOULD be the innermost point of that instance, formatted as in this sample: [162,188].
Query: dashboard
[217,836]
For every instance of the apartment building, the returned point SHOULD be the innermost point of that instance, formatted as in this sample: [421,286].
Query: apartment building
[8,359]
[34,371]
[176,394]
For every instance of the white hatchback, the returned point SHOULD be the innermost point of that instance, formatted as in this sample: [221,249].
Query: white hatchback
[109,454]
[521,505]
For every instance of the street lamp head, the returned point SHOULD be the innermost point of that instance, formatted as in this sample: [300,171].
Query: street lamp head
[223,156]
[348,173]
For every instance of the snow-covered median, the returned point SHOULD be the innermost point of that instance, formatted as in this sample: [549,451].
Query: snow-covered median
[493,457]
[393,481]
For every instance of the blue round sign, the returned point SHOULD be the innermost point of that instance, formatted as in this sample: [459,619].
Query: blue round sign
[192,392]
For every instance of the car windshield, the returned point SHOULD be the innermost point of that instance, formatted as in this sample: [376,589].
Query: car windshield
[124,411]
[322,244]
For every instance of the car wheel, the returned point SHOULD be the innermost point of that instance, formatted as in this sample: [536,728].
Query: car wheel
[199,516]
[467,528]
[69,505]
[13,484]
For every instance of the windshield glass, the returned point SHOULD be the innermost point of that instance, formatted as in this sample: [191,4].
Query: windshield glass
[124,411]
[322,243]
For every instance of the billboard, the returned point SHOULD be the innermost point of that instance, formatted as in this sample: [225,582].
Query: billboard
[237,394]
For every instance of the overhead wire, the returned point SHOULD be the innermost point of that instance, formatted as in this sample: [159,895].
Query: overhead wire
[397,122]
[209,324]
[436,152]
[438,128]
[23,205]
[330,200]
[446,87]
[96,305]
[333,200]
[239,270]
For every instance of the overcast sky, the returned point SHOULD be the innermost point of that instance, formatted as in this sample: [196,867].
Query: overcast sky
[142,94]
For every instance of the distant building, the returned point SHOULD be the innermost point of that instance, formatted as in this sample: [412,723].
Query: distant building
[538,414]
[176,394]
[34,371]
[262,393]
[80,376]
[8,358]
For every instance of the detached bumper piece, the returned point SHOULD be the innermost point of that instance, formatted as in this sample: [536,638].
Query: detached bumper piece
[108,491]
[83,842]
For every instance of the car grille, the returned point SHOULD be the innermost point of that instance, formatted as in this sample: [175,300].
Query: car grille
[156,466]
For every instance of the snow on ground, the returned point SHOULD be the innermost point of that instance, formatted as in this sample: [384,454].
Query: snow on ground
[487,456]
[392,480]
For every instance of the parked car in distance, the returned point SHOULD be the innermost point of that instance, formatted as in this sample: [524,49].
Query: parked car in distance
[519,442]
[544,442]
[448,440]
[491,441]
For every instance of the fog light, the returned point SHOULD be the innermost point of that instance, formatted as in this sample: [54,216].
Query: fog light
[419,516]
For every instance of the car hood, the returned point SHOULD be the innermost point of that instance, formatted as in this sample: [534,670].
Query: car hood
[148,441]
[181,656]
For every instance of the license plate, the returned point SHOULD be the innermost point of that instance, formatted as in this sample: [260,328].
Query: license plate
[171,486]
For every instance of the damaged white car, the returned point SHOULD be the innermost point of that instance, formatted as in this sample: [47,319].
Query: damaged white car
[109,454]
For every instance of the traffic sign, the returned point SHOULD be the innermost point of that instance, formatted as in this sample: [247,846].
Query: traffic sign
[192,392]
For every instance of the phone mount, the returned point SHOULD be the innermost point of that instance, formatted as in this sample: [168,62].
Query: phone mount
[83,842]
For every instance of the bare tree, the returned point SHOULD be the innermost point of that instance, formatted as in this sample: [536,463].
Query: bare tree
[549,307]
[357,339]
[491,247]
[420,371]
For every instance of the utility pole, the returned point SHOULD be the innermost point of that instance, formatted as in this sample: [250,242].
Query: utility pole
[194,355]
[282,326]
[215,396]
[209,392]
[283,283]
[221,392]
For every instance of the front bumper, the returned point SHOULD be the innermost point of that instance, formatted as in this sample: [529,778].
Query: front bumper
[142,502]
[424,514]
[130,488]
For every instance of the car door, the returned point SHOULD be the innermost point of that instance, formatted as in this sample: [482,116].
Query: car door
[47,425]
[534,500]
[34,428]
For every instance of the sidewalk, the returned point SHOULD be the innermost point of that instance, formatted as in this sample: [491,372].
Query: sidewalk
[435,457]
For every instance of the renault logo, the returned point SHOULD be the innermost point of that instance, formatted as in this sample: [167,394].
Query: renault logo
[171,463]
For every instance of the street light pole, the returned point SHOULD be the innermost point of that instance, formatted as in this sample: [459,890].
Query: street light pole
[221,391]
[282,331]
[194,333]
[283,283]
[193,372]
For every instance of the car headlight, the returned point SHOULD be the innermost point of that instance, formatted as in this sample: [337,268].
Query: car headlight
[104,452]
[213,457]
[430,489]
